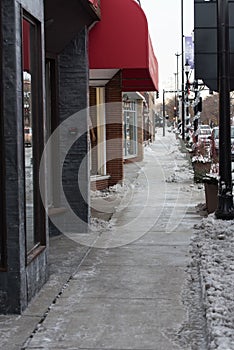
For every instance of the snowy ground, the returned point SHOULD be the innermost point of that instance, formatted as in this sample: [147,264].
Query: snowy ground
[210,275]
[210,279]
[209,286]
[212,252]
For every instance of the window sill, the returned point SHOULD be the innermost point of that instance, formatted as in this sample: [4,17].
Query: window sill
[131,156]
[32,254]
[99,177]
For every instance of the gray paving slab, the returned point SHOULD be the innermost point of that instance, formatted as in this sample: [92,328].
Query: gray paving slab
[148,254]
[109,323]
[128,282]
[15,330]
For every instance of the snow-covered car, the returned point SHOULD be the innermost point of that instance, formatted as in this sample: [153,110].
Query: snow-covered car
[214,142]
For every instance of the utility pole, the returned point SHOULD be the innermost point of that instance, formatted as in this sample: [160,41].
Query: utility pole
[225,208]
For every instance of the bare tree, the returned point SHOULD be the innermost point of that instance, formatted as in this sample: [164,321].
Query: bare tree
[210,110]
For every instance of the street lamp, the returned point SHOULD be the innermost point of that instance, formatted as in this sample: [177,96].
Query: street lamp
[186,70]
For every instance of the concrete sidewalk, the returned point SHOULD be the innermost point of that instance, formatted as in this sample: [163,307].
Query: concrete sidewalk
[121,288]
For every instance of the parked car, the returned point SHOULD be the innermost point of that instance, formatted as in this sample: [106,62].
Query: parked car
[214,139]
[203,134]
[28,136]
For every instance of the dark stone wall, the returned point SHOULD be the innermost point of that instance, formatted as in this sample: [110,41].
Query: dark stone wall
[73,102]
[15,282]
[21,281]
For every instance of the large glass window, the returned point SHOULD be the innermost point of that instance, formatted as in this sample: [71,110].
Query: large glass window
[33,131]
[130,128]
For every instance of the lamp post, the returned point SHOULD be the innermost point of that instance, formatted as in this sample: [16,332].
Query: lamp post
[186,70]
[195,120]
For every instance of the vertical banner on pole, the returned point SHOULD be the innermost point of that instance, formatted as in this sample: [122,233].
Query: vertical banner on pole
[189,51]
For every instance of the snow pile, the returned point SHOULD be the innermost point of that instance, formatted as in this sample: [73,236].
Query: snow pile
[113,199]
[180,173]
[212,251]
[97,225]
[118,189]
[201,159]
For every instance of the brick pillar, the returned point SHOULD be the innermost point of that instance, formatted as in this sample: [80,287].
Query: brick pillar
[114,130]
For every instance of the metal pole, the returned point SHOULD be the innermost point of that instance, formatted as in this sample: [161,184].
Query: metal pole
[177,71]
[177,85]
[175,98]
[225,208]
[187,100]
[164,116]
[182,61]
[195,123]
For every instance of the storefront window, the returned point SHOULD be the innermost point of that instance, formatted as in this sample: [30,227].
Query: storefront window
[28,154]
[32,128]
[130,129]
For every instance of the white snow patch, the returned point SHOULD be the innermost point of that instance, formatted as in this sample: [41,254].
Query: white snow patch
[212,250]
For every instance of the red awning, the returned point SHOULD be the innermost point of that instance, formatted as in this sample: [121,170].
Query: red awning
[121,40]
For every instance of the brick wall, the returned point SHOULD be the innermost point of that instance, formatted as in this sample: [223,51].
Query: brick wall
[99,185]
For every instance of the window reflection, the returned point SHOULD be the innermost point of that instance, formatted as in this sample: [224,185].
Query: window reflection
[28,154]
[29,76]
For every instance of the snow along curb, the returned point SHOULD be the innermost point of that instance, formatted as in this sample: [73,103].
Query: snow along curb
[212,249]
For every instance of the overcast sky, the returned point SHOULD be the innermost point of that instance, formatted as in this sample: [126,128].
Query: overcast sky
[164,21]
